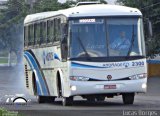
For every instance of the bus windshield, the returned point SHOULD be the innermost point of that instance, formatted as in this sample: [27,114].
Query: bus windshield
[106,37]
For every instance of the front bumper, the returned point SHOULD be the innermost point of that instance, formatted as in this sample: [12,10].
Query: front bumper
[97,87]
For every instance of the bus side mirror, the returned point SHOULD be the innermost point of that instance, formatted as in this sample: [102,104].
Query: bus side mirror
[149,27]
[64,48]
[64,45]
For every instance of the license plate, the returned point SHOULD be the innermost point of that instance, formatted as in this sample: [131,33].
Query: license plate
[109,86]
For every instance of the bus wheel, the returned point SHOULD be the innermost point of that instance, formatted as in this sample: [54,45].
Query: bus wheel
[67,101]
[91,99]
[128,98]
[100,98]
[50,99]
[41,99]
[46,99]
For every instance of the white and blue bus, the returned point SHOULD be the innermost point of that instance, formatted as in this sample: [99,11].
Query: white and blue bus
[95,51]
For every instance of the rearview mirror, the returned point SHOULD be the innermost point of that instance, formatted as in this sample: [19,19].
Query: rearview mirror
[64,45]
[149,26]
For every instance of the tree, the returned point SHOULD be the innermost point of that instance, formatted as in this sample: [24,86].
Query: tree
[101,1]
[150,10]
[11,28]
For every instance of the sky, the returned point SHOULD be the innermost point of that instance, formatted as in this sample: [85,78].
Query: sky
[109,1]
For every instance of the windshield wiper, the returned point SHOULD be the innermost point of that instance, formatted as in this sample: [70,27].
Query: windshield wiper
[84,49]
[132,42]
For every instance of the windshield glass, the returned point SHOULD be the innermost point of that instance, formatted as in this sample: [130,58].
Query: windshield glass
[106,37]
[88,36]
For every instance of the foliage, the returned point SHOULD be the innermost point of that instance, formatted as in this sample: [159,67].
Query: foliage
[101,1]
[150,10]
[4,112]
[11,19]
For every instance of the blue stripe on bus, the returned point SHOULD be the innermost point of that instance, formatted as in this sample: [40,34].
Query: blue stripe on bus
[34,65]
[73,64]
[37,83]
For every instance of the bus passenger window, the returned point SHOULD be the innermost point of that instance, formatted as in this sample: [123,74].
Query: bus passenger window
[31,35]
[26,36]
[57,29]
[44,32]
[49,31]
[37,33]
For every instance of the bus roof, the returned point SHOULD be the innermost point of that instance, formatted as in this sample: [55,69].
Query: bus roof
[87,11]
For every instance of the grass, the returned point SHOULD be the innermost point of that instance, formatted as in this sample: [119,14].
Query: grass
[3,60]
[4,53]
[4,57]
[4,112]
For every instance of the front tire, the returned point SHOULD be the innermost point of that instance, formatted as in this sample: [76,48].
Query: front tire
[128,98]
[41,99]
[100,98]
[67,101]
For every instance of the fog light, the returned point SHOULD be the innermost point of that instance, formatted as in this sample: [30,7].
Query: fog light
[73,88]
[144,85]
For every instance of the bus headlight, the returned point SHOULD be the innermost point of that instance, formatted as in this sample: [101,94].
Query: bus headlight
[139,76]
[73,88]
[79,78]
[144,86]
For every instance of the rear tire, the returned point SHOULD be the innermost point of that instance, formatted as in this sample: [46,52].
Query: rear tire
[46,99]
[67,101]
[34,85]
[91,99]
[128,98]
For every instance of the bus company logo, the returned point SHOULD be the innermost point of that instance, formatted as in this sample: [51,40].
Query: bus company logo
[18,99]
[109,77]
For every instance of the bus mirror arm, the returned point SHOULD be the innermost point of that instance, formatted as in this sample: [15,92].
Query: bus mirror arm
[64,49]
[150,32]
[64,39]
[149,26]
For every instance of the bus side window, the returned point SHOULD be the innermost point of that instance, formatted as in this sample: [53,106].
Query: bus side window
[49,31]
[32,35]
[26,36]
[29,35]
[57,29]
[37,33]
[44,33]
[41,29]
[54,29]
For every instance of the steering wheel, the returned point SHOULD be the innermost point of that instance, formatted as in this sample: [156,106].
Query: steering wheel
[90,53]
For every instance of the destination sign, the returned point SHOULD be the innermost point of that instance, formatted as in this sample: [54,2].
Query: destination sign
[87,20]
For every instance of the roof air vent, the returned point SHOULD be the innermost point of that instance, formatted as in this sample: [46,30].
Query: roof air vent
[87,3]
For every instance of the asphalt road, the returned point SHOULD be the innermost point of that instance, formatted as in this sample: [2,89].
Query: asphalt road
[12,82]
